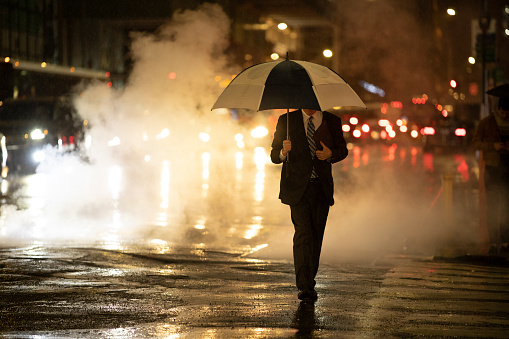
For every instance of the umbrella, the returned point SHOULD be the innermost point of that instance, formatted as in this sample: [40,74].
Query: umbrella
[501,91]
[287,84]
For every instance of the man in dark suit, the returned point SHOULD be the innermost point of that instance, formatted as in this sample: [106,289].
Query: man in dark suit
[316,142]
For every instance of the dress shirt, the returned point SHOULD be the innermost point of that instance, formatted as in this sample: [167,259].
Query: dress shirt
[317,121]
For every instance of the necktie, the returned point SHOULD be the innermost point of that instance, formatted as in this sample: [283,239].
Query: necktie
[310,131]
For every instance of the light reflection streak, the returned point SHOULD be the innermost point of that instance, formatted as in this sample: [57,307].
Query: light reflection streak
[205,157]
[115,182]
[239,161]
[413,160]
[402,153]
[161,246]
[356,156]
[35,188]
[391,153]
[36,185]
[162,219]
[260,159]
[428,162]
[111,238]
[462,167]
[239,157]
[365,158]
[165,185]
[200,223]
[255,249]
[254,228]
[4,187]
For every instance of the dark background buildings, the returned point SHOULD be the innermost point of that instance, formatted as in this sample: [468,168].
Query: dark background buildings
[408,49]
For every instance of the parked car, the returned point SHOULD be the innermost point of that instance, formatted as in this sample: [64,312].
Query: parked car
[27,126]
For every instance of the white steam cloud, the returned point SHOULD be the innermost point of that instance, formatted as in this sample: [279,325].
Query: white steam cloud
[158,180]
[152,128]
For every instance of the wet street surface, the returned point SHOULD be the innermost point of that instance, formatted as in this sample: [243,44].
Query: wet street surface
[94,292]
[204,251]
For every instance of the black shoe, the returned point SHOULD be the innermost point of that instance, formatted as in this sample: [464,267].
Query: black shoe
[308,295]
[504,248]
[494,249]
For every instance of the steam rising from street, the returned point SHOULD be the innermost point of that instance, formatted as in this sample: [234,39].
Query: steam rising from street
[151,177]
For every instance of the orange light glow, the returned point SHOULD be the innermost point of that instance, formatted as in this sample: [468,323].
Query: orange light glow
[354,121]
[357,133]
[365,128]
[346,128]
[356,156]
[172,75]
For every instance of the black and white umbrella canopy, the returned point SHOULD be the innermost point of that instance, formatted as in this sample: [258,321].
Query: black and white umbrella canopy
[287,84]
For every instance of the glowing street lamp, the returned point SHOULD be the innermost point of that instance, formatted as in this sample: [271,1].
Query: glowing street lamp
[451,11]
[327,53]
[282,26]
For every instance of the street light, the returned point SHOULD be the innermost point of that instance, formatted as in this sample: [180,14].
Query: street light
[451,11]
[282,26]
[327,53]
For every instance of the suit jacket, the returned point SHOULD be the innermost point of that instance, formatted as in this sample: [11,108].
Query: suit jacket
[296,173]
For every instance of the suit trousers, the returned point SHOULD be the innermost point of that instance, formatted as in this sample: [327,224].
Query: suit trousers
[309,217]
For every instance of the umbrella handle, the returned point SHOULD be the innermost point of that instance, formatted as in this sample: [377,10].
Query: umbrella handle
[287,126]
[287,137]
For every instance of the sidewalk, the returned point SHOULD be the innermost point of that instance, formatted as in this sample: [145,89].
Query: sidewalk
[97,293]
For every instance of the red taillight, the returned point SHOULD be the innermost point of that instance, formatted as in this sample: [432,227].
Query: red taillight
[428,131]
[460,132]
[71,140]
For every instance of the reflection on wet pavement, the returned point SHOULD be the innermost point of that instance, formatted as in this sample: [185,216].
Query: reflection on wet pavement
[212,257]
[386,200]
[138,292]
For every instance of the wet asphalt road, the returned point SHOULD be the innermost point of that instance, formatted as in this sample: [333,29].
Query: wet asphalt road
[218,265]
[191,293]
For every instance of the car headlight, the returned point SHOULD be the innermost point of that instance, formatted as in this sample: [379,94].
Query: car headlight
[259,132]
[37,134]
[114,142]
[39,156]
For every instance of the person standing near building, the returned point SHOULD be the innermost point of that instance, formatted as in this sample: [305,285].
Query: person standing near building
[492,138]
[316,142]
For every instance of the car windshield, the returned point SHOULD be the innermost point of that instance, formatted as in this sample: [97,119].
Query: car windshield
[25,111]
